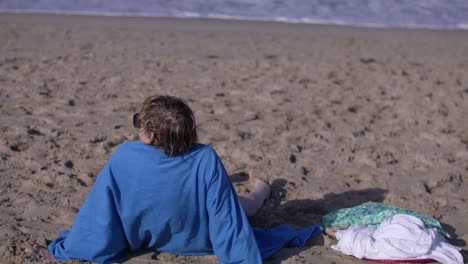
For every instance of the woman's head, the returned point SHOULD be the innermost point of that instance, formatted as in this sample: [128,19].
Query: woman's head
[167,122]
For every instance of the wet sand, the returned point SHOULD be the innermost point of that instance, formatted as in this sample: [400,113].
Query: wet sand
[335,116]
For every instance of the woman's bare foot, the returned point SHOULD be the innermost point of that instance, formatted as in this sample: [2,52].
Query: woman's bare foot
[253,201]
[260,182]
[262,187]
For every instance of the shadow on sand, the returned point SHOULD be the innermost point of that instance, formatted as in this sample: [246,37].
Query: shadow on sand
[307,212]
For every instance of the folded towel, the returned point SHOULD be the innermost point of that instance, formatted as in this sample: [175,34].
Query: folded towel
[400,237]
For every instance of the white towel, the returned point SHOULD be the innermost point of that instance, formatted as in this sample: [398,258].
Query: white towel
[401,237]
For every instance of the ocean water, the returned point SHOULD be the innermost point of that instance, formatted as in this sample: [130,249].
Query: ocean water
[435,14]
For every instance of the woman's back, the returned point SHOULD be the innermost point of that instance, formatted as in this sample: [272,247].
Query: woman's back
[172,190]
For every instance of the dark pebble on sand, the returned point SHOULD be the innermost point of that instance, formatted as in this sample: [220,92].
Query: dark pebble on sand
[244,135]
[331,75]
[71,102]
[239,176]
[305,171]
[220,94]
[368,60]
[81,182]
[69,164]
[34,132]
[292,158]
[299,148]
[109,145]
[15,148]
[352,109]
[50,185]
[98,139]
[359,133]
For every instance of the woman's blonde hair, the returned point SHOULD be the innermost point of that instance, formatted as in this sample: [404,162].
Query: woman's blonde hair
[171,121]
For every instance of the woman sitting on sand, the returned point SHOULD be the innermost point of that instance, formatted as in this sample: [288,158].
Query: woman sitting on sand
[164,192]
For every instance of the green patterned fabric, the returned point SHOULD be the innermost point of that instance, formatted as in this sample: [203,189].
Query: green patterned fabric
[371,213]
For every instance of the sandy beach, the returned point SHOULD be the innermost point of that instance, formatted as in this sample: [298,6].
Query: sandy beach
[335,116]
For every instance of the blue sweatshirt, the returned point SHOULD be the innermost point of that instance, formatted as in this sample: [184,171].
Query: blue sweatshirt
[142,198]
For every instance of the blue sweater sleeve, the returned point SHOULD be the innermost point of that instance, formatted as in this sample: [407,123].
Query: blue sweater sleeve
[230,232]
[96,234]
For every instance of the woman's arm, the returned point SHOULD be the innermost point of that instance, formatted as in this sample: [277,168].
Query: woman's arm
[97,234]
[230,231]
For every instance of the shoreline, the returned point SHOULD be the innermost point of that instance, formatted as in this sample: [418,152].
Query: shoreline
[281,25]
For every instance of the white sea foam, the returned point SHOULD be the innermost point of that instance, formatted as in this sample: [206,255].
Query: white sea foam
[462,26]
